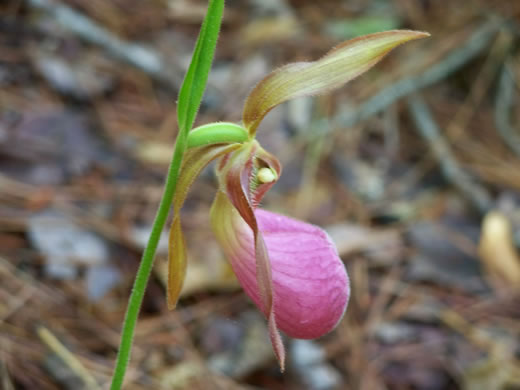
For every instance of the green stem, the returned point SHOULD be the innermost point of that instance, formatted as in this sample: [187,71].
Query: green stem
[190,96]
[145,268]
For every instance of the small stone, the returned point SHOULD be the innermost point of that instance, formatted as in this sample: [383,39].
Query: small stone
[100,279]
[392,333]
[64,244]
[305,352]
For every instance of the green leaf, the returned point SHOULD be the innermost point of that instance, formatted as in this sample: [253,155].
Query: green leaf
[192,89]
[188,103]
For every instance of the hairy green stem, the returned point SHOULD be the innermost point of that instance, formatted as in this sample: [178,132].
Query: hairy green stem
[190,96]
[145,268]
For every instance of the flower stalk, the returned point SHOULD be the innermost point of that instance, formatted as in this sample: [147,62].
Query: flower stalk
[190,96]
[143,272]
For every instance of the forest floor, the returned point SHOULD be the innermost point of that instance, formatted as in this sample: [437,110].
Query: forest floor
[413,169]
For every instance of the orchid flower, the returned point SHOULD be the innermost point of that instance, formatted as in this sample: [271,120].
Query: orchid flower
[290,269]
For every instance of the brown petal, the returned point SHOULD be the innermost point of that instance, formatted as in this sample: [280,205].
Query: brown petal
[338,66]
[194,161]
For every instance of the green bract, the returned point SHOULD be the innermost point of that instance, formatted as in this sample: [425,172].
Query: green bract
[217,133]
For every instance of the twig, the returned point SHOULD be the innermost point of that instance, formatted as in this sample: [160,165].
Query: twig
[22,192]
[457,58]
[311,163]
[67,357]
[503,106]
[451,170]
[136,55]
[24,278]
[479,88]
[5,380]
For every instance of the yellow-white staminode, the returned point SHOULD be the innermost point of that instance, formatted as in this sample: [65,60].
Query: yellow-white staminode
[266,175]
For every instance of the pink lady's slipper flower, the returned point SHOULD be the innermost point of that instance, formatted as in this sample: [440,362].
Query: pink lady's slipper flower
[290,269]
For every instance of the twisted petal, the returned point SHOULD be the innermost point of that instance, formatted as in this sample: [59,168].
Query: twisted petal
[310,282]
[241,192]
[338,66]
[194,161]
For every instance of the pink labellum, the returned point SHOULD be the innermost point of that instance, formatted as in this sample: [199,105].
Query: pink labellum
[311,286]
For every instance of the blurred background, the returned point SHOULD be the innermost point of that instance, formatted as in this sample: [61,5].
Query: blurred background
[413,169]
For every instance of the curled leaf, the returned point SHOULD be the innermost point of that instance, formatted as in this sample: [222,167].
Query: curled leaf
[338,66]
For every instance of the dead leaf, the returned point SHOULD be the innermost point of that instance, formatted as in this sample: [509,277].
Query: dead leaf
[497,250]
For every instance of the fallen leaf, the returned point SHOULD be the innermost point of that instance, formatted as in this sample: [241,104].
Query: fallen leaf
[497,250]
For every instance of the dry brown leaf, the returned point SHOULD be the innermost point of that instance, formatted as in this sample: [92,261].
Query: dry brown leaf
[154,152]
[271,29]
[497,250]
